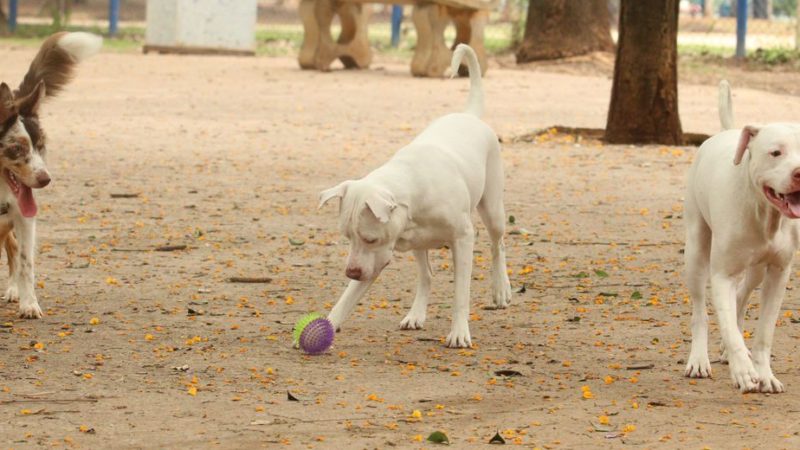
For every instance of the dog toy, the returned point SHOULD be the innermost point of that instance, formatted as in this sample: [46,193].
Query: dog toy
[301,325]
[317,336]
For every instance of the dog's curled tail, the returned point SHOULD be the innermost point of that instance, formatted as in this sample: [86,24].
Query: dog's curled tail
[725,106]
[475,101]
[55,63]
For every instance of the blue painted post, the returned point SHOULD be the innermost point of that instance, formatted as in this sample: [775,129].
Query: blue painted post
[741,27]
[113,17]
[12,15]
[397,19]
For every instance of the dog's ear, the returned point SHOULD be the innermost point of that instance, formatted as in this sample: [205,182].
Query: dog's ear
[748,133]
[336,191]
[7,107]
[381,204]
[29,106]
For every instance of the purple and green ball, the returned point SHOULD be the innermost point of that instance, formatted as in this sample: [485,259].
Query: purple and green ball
[317,336]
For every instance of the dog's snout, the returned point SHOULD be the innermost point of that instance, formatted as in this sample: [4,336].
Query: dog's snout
[796,174]
[42,179]
[354,273]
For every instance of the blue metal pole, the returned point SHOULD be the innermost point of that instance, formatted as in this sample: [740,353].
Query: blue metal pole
[12,15]
[741,27]
[113,17]
[397,19]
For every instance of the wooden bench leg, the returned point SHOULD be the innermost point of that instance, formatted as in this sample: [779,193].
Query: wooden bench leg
[326,47]
[353,40]
[319,50]
[431,57]
[478,23]
[308,50]
[470,25]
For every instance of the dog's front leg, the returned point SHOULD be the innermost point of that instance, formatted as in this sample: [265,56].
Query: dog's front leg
[25,229]
[415,318]
[462,263]
[771,299]
[348,301]
[723,294]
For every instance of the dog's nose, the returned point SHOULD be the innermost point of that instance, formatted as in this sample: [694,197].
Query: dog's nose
[43,179]
[354,273]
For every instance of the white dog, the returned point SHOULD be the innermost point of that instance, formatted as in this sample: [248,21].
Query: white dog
[742,200]
[422,199]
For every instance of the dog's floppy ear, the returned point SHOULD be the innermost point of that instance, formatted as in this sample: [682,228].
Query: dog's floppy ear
[29,106]
[748,133]
[7,107]
[336,191]
[381,204]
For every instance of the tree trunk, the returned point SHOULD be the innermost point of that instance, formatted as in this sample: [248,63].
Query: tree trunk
[762,9]
[708,8]
[644,97]
[562,28]
[3,20]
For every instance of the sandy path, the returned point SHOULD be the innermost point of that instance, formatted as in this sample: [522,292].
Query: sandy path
[227,156]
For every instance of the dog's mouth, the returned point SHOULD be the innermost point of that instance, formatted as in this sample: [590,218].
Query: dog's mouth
[23,193]
[788,204]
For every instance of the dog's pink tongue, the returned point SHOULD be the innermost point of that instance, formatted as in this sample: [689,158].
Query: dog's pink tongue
[27,205]
[793,202]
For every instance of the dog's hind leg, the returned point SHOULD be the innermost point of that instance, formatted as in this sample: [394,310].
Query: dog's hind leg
[697,259]
[493,215]
[9,242]
[416,316]
[348,301]
[463,246]
[771,300]
[751,281]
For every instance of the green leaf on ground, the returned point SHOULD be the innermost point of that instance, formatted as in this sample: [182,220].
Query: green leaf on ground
[437,437]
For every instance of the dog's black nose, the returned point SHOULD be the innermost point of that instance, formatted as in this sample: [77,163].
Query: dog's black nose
[354,273]
[43,180]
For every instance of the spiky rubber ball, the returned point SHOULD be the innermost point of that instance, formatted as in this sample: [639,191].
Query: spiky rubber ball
[301,325]
[317,336]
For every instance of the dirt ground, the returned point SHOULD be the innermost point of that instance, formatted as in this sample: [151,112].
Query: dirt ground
[149,349]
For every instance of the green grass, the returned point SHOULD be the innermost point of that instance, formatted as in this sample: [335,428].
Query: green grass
[127,39]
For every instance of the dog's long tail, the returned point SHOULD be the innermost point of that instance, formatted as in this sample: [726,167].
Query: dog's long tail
[56,60]
[725,105]
[475,101]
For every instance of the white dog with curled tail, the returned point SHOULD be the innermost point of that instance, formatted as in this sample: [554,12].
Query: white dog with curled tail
[423,199]
[741,210]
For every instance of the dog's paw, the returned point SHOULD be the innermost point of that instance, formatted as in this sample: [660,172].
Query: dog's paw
[412,322]
[768,382]
[30,310]
[698,367]
[744,374]
[12,294]
[459,337]
[770,385]
[501,290]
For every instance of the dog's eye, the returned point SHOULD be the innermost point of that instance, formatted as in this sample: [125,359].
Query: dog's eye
[775,153]
[370,241]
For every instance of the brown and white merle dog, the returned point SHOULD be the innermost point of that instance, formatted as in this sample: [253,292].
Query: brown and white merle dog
[22,152]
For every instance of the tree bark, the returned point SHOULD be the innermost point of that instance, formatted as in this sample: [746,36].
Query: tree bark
[3,20]
[644,97]
[762,9]
[562,28]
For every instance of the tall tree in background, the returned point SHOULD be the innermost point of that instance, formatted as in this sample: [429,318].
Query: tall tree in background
[3,20]
[561,28]
[644,97]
